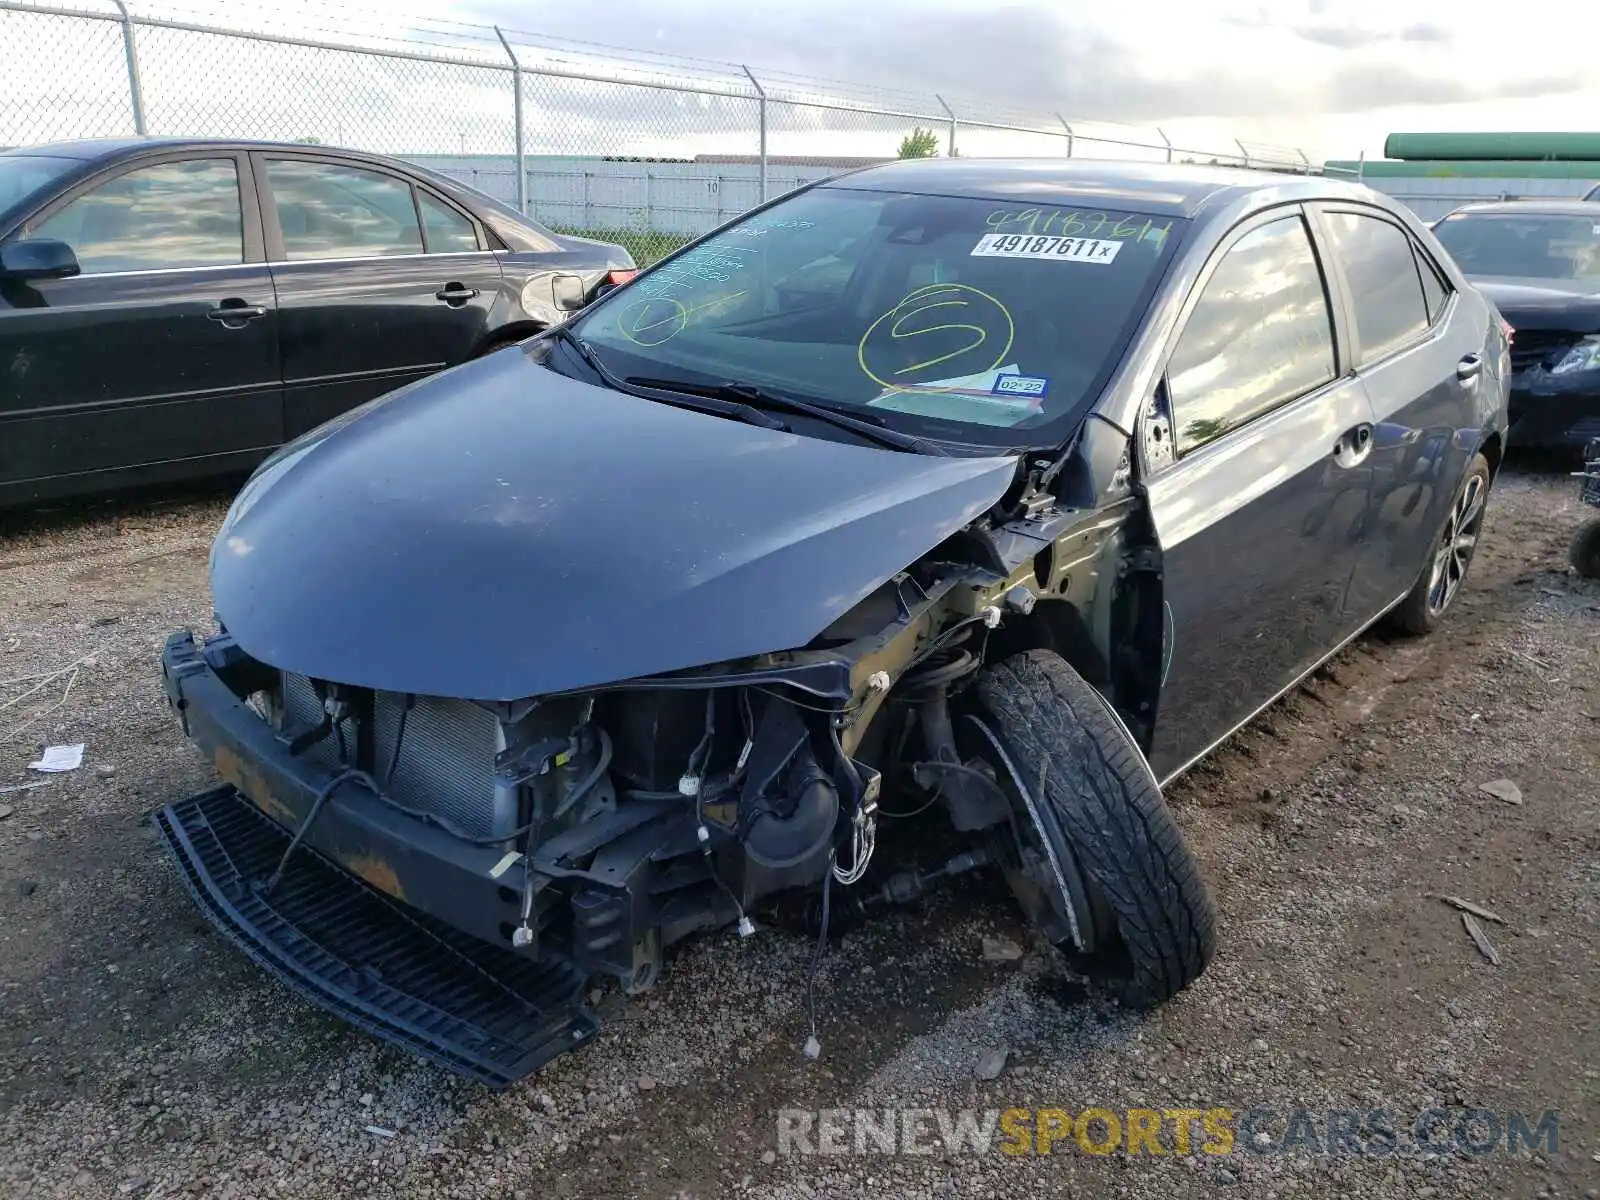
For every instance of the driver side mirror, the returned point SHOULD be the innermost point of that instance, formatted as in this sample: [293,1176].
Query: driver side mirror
[37,258]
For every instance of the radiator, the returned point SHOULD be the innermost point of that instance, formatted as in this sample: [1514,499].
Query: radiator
[446,764]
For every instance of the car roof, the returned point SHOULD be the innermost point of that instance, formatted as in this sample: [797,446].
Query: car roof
[1558,207]
[1170,189]
[90,149]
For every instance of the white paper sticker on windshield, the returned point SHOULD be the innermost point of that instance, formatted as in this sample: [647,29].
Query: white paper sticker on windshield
[978,399]
[1054,248]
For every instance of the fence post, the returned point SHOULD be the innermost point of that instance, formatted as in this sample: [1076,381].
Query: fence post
[1242,151]
[761,110]
[1068,128]
[1162,135]
[131,51]
[950,149]
[516,94]
[1303,159]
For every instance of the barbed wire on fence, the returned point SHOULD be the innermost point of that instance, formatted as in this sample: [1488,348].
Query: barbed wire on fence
[632,145]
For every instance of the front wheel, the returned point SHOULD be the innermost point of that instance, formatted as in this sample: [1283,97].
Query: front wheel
[1440,582]
[1094,837]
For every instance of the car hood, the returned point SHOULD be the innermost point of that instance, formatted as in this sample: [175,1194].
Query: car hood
[1542,304]
[501,531]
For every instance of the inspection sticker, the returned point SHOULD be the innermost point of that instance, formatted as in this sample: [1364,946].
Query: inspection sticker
[1055,248]
[1032,386]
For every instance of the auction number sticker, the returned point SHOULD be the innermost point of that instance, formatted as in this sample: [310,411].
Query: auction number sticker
[1054,248]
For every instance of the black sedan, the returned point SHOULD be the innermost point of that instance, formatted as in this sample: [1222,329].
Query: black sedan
[1539,261]
[948,500]
[180,308]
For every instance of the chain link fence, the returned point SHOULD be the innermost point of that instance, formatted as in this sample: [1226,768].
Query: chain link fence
[646,150]
[39,101]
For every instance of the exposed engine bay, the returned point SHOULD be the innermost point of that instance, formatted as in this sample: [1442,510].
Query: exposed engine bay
[535,844]
[629,817]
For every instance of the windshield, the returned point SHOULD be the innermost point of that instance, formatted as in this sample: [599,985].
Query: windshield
[974,320]
[23,174]
[1542,246]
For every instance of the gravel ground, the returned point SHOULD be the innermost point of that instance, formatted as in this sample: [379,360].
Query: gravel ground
[141,1056]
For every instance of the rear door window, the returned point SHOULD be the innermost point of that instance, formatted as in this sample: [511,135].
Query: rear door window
[1260,335]
[161,217]
[330,210]
[1385,284]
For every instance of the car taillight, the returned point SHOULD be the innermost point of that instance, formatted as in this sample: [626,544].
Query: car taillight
[616,277]
[1506,328]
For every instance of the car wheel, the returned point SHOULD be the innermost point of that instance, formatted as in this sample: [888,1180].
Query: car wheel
[1096,858]
[1585,550]
[1440,582]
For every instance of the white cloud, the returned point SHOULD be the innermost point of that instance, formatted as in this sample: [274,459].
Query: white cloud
[1332,76]
[1320,73]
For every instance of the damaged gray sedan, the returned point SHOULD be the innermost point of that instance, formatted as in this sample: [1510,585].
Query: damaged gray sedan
[991,494]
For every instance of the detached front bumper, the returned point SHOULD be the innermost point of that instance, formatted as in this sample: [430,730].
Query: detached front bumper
[388,923]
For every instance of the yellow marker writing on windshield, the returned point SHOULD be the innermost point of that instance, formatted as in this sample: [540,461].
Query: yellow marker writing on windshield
[644,327]
[985,322]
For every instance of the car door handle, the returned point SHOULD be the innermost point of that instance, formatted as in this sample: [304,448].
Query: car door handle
[234,313]
[1469,366]
[455,293]
[1353,446]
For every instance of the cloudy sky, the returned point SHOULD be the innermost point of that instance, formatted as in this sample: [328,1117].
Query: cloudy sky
[1332,76]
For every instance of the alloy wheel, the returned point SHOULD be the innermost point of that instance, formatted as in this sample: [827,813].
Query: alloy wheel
[1457,545]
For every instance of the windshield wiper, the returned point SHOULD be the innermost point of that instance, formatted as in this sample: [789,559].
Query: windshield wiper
[581,349]
[873,428]
[725,406]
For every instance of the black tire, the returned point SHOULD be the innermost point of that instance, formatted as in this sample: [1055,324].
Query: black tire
[1102,805]
[1585,550]
[1426,605]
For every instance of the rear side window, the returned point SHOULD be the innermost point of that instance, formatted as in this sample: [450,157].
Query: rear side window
[1434,291]
[1385,285]
[1259,335]
[327,210]
[163,217]
[448,231]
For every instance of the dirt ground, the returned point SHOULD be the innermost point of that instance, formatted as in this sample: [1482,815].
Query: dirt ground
[142,1056]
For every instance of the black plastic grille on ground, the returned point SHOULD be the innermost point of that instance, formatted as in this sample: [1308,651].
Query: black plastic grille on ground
[480,1011]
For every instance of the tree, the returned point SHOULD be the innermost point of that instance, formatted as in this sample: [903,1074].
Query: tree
[920,143]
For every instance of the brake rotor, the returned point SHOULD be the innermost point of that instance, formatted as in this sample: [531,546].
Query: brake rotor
[1039,864]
